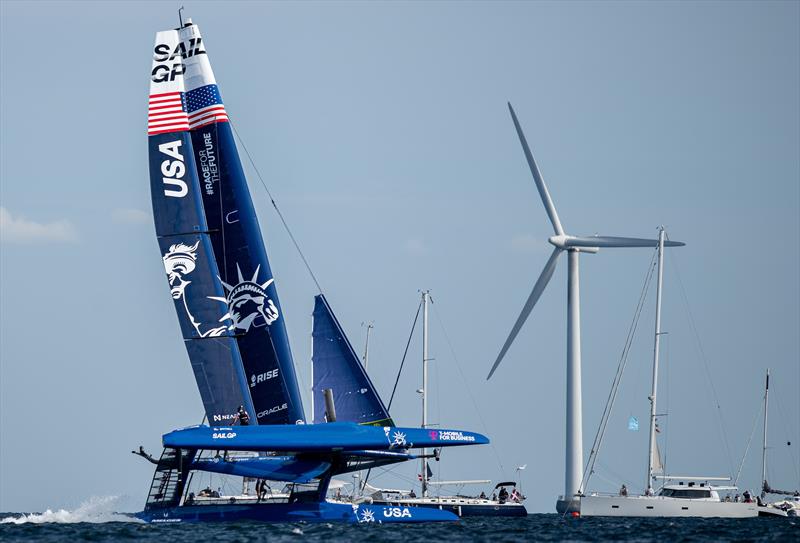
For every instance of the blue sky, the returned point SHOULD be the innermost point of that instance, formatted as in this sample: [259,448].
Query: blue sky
[382,130]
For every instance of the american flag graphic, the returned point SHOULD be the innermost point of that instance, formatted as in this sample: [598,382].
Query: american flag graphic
[204,105]
[166,113]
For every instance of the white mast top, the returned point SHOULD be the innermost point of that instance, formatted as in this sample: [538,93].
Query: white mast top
[424,462]
[652,445]
[370,326]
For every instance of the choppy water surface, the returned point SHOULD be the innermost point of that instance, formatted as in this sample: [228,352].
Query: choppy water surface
[93,521]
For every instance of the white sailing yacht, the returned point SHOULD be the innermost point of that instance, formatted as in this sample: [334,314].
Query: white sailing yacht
[683,496]
[789,506]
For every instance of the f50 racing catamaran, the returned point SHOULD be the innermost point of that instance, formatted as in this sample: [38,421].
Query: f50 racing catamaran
[233,327]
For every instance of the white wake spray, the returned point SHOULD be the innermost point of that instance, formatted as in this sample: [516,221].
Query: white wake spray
[96,509]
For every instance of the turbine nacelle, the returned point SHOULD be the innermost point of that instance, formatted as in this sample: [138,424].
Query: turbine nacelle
[562,242]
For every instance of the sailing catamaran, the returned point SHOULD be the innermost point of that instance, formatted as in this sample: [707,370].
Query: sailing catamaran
[233,327]
[335,367]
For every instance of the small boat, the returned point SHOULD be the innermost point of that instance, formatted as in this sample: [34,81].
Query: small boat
[790,505]
[232,325]
[496,505]
[336,368]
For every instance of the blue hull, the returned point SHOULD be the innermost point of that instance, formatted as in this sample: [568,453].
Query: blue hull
[469,509]
[297,512]
[485,510]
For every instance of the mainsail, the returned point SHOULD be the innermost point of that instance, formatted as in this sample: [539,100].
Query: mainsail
[337,367]
[185,241]
[211,201]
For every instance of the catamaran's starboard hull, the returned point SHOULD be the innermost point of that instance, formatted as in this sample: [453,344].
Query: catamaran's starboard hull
[656,506]
[297,512]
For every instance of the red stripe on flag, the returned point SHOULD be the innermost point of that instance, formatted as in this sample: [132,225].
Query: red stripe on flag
[165,124]
[165,101]
[219,120]
[164,94]
[177,128]
[153,108]
[155,118]
[204,111]
[164,112]
[205,118]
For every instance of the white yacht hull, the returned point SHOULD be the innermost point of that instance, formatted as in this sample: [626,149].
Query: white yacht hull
[770,511]
[659,506]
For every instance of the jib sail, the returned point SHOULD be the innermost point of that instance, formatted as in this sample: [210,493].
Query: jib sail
[254,316]
[185,242]
[337,367]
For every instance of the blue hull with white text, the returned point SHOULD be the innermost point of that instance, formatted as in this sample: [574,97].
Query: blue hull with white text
[296,512]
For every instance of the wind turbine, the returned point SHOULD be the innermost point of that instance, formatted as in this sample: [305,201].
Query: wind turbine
[573,245]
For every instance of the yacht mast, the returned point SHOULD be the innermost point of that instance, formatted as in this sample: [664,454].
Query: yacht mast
[652,398]
[424,462]
[366,347]
[311,358]
[764,448]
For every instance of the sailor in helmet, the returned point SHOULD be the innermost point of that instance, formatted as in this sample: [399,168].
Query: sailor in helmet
[244,418]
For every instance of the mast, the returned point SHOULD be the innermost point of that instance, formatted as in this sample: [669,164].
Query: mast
[370,326]
[311,388]
[652,398]
[764,447]
[424,462]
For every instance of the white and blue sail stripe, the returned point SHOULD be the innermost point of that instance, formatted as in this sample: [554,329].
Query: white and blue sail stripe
[204,106]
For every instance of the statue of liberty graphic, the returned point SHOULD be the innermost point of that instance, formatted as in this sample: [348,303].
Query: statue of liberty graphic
[180,261]
[248,300]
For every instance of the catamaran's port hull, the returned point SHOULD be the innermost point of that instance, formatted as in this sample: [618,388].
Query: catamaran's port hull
[657,506]
[297,512]
[469,509]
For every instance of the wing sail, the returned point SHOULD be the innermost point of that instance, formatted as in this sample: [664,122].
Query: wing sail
[254,316]
[185,242]
[337,367]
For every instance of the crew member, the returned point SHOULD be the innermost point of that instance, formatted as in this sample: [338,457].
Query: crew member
[244,418]
[502,496]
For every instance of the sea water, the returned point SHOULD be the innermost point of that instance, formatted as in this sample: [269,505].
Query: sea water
[95,520]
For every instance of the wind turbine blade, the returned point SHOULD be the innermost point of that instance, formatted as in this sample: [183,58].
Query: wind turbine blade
[611,242]
[543,192]
[538,288]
